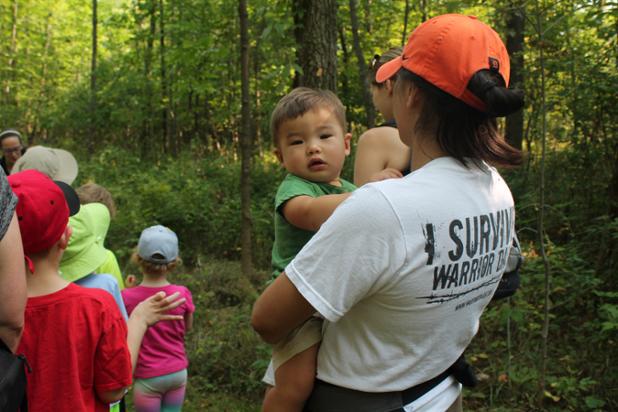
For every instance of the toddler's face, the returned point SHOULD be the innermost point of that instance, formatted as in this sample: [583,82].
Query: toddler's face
[314,146]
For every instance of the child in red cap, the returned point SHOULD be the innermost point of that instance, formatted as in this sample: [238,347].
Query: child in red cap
[76,341]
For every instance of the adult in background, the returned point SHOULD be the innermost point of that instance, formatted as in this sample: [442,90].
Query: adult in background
[380,154]
[58,164]
[404,268]
[12,149]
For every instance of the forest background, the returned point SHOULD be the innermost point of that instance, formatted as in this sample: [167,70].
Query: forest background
[167,102]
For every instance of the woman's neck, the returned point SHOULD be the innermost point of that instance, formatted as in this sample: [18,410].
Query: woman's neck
[425,148]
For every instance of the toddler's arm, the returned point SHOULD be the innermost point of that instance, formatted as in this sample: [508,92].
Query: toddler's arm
[188,321]
[306,212]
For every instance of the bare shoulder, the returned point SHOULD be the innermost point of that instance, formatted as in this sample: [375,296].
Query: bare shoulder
[379,137]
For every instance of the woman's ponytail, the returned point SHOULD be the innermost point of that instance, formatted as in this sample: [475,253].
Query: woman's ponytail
[499,100]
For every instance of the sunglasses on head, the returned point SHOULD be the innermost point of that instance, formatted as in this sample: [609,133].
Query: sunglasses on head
[375,61]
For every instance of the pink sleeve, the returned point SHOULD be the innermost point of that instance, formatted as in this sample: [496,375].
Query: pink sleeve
[189,303]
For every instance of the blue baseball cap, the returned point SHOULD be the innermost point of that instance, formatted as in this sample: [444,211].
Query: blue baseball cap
[158,244]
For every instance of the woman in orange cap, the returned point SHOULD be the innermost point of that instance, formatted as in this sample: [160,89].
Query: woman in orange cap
[403,270]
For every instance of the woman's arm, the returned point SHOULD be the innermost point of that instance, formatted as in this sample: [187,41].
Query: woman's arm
[279,310]
[371,156]
[13,293]
[380,155]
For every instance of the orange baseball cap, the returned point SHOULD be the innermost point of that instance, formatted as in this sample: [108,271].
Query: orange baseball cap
[447,51]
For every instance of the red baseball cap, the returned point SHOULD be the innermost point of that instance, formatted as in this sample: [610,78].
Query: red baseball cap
[447,51]
[42,209]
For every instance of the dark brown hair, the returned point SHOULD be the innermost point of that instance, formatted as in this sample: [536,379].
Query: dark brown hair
[462,131]
[378,61]
[301,100]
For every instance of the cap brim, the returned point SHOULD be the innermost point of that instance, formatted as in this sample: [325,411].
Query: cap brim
[84,263]
[67,167]
[389,69]
[70,196]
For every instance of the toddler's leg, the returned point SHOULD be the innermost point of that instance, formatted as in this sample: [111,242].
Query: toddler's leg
[172,400]
[294,383]
[174,395]
[146,398]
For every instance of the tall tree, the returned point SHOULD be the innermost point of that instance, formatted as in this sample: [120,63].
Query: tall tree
[147,124]
[362,67]
[8,89]
[246,144]
[93,80]
[316,35]
[165,94]
[406,14]
[515,45]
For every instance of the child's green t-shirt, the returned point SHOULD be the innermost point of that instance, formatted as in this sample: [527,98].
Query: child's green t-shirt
[289,239]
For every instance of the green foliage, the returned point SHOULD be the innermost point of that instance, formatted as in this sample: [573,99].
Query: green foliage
[187,176]
[226,356]
[507,349]
[198,199]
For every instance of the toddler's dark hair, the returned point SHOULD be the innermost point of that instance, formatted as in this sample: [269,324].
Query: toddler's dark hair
[301,100]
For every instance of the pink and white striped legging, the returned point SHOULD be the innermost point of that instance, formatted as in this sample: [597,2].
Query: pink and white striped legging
[164,393]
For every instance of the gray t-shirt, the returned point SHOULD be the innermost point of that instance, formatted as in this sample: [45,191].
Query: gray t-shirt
[8,201]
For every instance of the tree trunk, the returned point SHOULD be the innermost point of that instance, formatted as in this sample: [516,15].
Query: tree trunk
[346,58]
[515,46]
[147,118]
[9,93]
[33,117]
[257,98]
[362,67]
[93,82]
[404,34]
[316,35]
[423,6]
[246,145]
[541,221]
[367,8]
[165,100]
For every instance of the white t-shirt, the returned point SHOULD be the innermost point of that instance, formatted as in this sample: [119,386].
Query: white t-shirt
[402,272]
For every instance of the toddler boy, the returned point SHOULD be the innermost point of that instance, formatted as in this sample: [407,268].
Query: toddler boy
[309,132]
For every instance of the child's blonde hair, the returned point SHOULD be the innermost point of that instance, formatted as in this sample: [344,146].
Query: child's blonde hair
[152,268]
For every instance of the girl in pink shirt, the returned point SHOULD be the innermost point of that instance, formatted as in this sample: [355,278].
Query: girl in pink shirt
[161,372]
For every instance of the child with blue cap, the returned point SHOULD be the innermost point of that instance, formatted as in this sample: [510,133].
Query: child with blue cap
[161,372]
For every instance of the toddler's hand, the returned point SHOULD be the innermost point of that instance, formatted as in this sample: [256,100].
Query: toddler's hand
[130,281]
[388,173]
